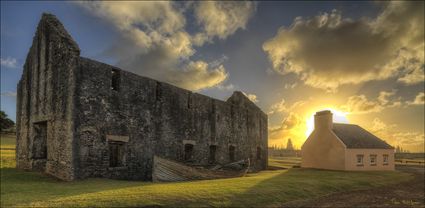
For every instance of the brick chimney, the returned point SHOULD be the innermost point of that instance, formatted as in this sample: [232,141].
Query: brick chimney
[323,119]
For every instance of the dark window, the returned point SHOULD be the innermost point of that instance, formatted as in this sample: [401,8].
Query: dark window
[213,149]
[232,153]
[40,140]
[115,81]
[158,91]
[116,154]
[258,153]
[188,152]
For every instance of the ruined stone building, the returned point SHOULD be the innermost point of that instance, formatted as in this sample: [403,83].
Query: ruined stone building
[79,118]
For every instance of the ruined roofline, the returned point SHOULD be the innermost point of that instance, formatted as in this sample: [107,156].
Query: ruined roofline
[226,102]
[51,23]
[48,27]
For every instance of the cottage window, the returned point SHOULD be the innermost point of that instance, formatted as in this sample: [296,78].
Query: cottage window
[258,153]
[232,153]
[115,79]
[385,158]
[188,152]
[359,160]
[211,158]
[372,160]
[116,154]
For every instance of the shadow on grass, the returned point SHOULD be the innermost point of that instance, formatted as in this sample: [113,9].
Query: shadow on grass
[300,184]
[24,187]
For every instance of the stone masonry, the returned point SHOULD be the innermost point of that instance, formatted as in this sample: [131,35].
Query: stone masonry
[79,118]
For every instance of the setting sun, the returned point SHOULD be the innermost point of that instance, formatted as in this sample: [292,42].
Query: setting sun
[338,117]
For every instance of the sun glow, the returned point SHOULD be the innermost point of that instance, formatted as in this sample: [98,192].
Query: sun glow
[338,117]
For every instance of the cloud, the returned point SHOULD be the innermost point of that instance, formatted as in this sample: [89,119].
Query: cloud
[419,99]
[9,94]
[227,87]
[292,122]
[390,133]
[278,107]
[290,86]
[9,62]
[384,96]
[221,18]
[282,107]
[251,97]
[328,50]
[202,76]
[358,104]
[154,42]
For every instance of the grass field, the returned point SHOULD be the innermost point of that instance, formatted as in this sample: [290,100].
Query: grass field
[268,188]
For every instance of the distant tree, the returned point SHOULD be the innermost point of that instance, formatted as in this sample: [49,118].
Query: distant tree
[289,145]
[5,122]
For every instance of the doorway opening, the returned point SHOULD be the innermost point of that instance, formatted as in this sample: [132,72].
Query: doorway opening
[39,148]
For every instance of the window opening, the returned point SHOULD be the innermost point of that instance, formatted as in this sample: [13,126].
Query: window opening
[116,154]
[115,81]
[372,159]
[359,160]
[232,153]
[188,152]
[258,153]
[213,149]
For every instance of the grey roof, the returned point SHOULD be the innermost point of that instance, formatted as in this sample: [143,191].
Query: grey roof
[355,137]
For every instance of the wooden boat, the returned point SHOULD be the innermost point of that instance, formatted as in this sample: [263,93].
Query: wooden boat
[165,170]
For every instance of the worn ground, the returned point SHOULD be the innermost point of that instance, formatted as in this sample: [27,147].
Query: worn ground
[405,194]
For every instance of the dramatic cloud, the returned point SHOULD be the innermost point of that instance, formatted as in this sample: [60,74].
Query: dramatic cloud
[9,62]
[154,41]
[251,97]
[221,18]
[419,99]
[327,50]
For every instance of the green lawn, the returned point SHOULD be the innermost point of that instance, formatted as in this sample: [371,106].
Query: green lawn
[268,188]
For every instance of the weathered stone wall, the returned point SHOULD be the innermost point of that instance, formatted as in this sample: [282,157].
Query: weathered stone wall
[44,102]
[159,119]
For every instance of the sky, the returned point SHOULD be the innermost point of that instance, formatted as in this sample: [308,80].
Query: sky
[362,60]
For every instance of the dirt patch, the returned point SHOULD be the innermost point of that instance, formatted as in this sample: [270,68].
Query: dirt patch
[406,194]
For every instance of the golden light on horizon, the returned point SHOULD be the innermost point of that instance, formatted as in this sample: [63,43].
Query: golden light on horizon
[338,117]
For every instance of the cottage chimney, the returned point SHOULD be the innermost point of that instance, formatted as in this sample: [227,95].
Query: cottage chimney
[323,119]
